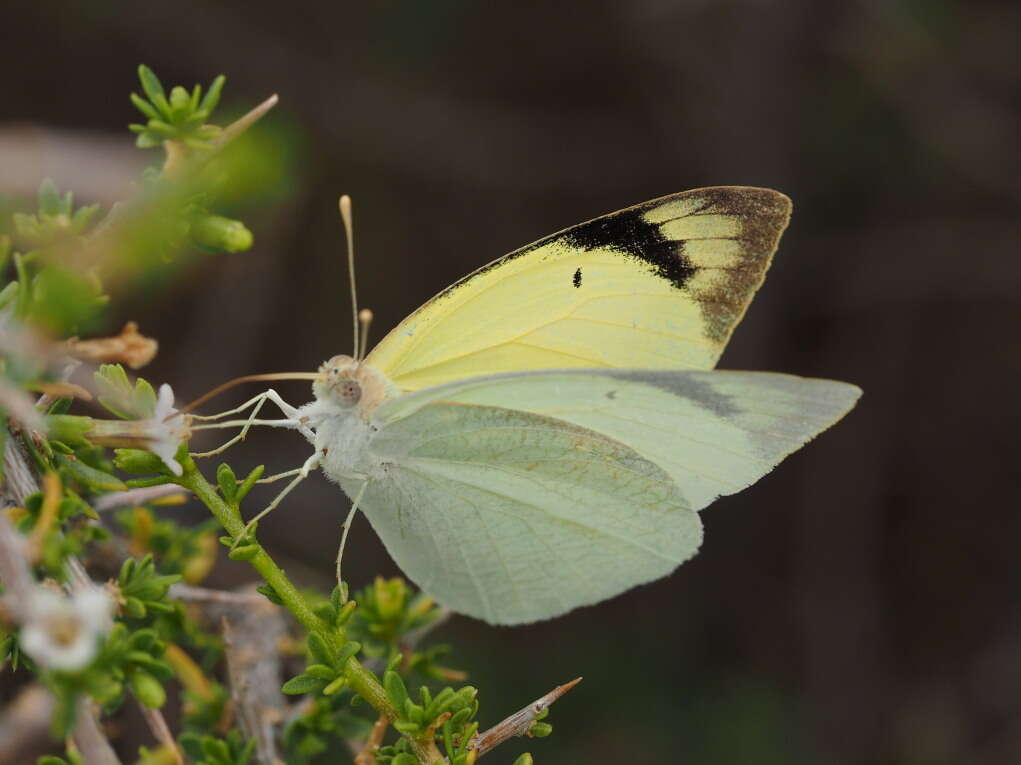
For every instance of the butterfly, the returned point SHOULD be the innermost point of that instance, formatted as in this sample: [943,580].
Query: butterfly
[542,434]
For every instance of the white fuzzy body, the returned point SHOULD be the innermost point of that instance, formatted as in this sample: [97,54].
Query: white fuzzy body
[341,418]
[342,441]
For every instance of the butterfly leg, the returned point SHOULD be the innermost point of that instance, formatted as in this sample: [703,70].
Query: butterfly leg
[293,420]
[347,528]
[299,475]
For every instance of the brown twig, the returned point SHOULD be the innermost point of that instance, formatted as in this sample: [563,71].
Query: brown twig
[367,755]
[160,730]
[132,497]
[15,574]
[19,483]
[25,723]
[129,347]
[242,124]
[189,594]
[253,667]
[518,724]
[89,737]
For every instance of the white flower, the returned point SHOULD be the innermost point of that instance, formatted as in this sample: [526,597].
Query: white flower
[62,632]
[162,434]
[167,435]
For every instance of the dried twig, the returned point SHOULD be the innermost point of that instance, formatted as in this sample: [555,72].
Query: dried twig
[25,723]
[518,723]
[251,635]
[89,737]
[20,406]
[367,755]
[132,497]
[411,639]
[17,578]
[189,594]
[161,731]
[242,124]
[15,574]
[129,347]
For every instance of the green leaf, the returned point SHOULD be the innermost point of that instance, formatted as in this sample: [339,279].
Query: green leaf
[319,651]
[215,233]
[95,480]
[227,482]
[302,684]
[249,482]
[335,687]
[396,691]
[525,759]
[49,198]
[138,462]
[539,730]
[213,95]
[68,428]
[244,552]
[321,671]
[153,88]
[145,107]
[147,689]
[270,593]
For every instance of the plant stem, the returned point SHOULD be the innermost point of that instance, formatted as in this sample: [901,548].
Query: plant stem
[362,681]
[231,520]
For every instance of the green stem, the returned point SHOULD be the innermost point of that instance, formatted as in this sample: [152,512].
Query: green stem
[230,519]
[362,681]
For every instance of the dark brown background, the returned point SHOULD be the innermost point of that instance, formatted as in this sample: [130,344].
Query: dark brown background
[861,605]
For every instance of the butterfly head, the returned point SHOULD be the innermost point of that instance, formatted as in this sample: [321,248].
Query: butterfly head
[346,383]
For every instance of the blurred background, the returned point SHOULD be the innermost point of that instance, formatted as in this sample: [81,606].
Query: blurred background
[860,605]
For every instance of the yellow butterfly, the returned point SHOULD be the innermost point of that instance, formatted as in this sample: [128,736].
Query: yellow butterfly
[542,434]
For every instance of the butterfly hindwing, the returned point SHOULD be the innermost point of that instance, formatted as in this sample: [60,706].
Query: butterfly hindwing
[713,432]
[499,486]
[513,517]
[659,286]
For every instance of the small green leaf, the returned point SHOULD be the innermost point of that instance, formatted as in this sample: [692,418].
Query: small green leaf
[539,730]
[145,107]
[321,671]
[302,684]
[319,651]
[213,95]
[525,759]
[94,479]
[147,689]
[216,233]
[396,691]
[153,88]
[227,482]
[249,482]
[270,593]
[137,461]
[244,552]
[335,687]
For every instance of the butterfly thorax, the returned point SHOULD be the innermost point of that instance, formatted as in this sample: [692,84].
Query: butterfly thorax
[346,394]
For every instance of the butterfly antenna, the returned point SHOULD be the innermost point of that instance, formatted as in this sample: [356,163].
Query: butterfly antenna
[365,320]
[345,215]
[240,381]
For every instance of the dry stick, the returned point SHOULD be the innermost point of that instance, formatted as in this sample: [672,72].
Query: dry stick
[518,723]
[250,639]
[89,737]
[189,594]
[131,497]
[367,755]
[161,731]
[20,482]
[25,723]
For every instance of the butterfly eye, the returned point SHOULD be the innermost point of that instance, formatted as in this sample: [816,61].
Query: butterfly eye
[347,392]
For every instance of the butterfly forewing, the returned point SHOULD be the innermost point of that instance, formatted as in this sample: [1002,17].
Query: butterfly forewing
[658,286]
